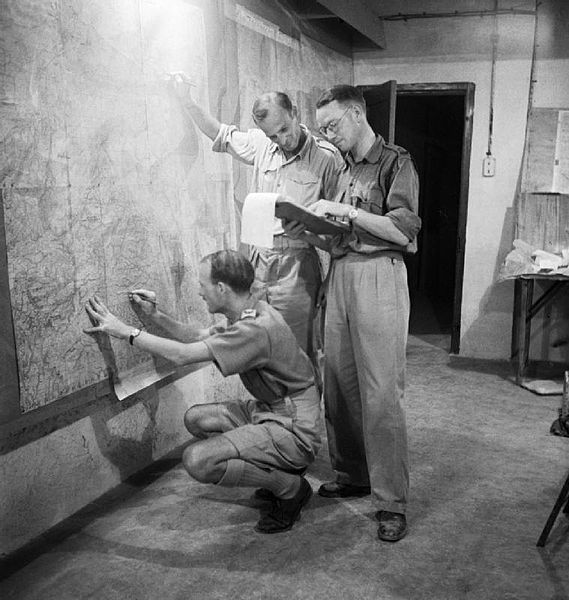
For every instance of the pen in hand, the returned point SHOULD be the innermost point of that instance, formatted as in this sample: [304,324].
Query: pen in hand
[143,295]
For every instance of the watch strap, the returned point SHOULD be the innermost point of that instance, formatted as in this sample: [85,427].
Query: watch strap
[133,334]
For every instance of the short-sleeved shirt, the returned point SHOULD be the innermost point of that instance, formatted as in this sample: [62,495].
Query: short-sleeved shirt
[311,174]
[262,350]
[384,182]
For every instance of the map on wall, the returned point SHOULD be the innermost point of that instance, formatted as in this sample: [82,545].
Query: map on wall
[104,187]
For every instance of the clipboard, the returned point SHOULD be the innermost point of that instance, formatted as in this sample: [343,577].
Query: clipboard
[319,225]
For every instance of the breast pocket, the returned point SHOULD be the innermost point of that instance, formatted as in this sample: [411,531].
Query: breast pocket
[303,187]
[267,181]
[373,200]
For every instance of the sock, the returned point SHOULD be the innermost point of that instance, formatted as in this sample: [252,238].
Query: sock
[243,474]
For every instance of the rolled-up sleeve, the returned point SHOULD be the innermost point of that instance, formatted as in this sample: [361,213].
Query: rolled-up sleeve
[403,199]
[242,145]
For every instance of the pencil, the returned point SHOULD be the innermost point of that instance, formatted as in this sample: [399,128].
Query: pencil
[145,298]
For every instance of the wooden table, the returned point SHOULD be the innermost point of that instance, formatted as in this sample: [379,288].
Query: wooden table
[525,310]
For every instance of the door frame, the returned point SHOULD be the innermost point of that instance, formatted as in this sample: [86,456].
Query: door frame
[465,89]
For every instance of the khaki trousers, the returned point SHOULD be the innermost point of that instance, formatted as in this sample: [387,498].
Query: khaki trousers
[366,326]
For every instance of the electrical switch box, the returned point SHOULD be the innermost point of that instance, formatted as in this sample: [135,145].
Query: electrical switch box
[489,166]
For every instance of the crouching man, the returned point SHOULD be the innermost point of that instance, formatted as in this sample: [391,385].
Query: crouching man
[266,441]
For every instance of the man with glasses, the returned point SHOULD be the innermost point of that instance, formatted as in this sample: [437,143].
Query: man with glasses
[332,127]
[368,311]
[287,159]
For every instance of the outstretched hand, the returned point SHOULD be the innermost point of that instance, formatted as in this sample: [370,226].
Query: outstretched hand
[104,321]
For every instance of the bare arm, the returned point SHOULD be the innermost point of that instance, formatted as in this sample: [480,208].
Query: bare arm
[144,304]
[180,86]
[177,352]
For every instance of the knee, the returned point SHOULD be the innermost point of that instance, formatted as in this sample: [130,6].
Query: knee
[191,421]
[198,463]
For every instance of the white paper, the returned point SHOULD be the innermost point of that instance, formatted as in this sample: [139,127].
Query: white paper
[257,221]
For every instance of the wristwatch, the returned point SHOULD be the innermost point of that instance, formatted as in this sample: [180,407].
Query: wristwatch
[353,214]
[134,333]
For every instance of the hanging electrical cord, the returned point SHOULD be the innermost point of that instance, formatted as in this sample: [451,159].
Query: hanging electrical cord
[532,70]
[493,79]
[489,162]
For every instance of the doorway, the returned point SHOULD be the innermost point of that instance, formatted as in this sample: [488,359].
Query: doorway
[434,123]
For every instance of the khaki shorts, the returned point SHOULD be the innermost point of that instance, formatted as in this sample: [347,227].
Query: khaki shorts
[263,442]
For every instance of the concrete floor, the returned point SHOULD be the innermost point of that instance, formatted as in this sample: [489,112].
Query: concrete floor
[485,475]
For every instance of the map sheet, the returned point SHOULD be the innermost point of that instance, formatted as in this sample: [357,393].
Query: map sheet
[105,188]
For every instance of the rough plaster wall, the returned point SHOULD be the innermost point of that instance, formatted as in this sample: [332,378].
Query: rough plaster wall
[46,481]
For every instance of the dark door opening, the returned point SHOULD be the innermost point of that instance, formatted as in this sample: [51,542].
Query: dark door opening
[433,122]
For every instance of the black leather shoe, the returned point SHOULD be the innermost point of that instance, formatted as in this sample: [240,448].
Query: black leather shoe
[333,489]
[284,513]
[263,495]
[392,526]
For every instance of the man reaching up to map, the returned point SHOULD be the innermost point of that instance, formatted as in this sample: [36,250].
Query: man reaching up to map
[267,441]
[286,159]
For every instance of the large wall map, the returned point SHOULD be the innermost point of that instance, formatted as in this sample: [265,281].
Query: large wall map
[104,188]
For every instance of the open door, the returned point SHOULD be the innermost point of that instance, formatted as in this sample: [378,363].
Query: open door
[434,123]
[381,105]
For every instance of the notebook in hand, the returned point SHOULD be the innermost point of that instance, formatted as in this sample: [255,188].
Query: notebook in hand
[319,225]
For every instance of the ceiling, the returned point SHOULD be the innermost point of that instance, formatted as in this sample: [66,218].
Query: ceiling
[349,26]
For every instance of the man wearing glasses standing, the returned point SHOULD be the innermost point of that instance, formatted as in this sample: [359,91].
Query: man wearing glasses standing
[367,312]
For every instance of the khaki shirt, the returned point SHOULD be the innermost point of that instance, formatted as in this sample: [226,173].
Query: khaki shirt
[311,174]
[262,350]
[384,182]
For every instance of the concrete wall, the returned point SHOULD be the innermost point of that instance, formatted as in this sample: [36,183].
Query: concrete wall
[459,49]
[48,479]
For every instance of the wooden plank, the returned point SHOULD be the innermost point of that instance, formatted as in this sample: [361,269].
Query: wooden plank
[542,220]
[539,159]
[9,383]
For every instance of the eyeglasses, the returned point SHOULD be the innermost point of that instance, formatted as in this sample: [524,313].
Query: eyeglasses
[333,125]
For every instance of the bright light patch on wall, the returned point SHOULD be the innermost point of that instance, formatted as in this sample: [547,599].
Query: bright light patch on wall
[172,29]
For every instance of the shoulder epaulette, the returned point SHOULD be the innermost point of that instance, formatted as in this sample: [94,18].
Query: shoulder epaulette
[397,149]
[322,143]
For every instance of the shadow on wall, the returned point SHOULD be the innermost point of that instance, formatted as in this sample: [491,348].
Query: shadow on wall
[488,336]
[126,432]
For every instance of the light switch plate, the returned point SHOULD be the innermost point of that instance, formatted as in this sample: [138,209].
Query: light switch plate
[489,166]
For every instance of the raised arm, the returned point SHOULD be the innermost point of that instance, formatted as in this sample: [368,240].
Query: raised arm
[180,86]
